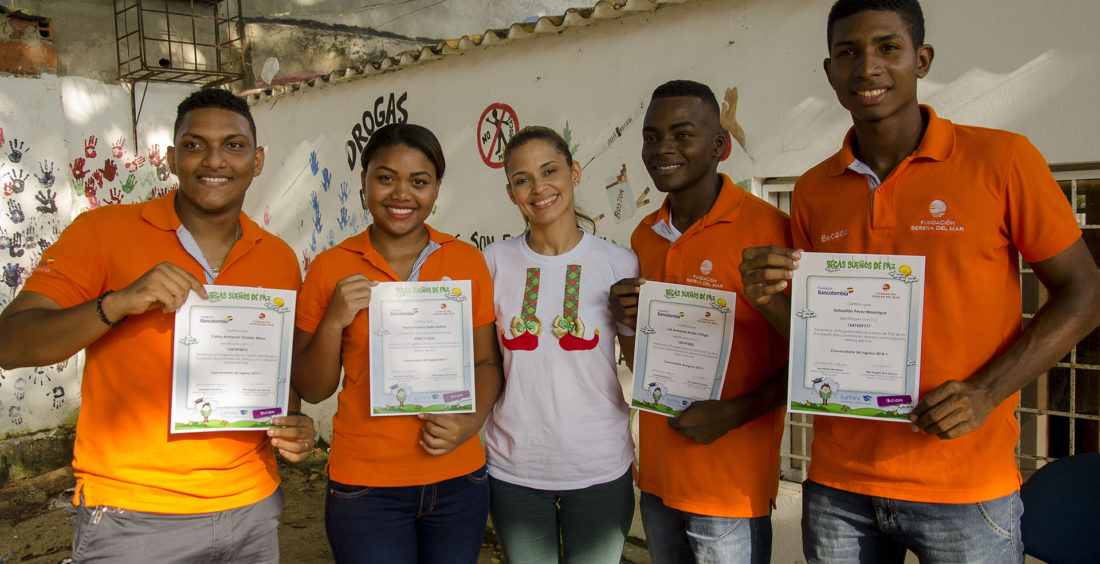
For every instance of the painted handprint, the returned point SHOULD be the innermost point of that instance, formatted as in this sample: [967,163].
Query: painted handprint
[18,149]
[117,146]
[12,276]
[128,184]
[89,147]
[92,184]
[317,226]
[133,165]
[344,192]
[114,198]
[18,180]
[15,212]
[267,215]
[326,179]
[109,170]
[342,221]
[78,168]
[313,165]
[15,248]
[159,192]
[155,158]
[47,178]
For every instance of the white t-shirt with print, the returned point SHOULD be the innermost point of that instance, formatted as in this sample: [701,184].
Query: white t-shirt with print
[561,422]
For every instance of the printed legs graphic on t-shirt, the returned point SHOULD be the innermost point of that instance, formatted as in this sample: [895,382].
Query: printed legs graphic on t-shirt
[526,328]
[568,327]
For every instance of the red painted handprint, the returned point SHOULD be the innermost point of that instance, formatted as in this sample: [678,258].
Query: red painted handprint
[89,147]
[135,164]
[109,170]
[78,168]
[117,146]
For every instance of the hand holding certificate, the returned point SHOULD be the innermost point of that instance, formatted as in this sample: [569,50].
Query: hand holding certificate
[856,335]
[682,346]
[231,359]
[421,348]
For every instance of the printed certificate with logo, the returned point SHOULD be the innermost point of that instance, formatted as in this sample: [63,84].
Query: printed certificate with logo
[856,335]
[682,346]
[231,359]
[421,348]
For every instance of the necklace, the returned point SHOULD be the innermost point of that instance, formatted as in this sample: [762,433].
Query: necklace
[236,238]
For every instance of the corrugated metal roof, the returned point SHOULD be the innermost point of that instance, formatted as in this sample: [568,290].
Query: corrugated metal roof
[573,17]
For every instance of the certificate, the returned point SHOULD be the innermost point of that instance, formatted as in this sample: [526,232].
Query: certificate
[682,347]
[855,335]
[421,348]
[231,359]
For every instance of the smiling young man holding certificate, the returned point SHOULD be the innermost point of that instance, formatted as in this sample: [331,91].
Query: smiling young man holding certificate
[946,486]
[111,285]
[708,476]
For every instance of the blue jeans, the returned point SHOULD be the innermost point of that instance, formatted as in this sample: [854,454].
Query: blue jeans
[592,522]
[676,536]
[840,526]
[442,522]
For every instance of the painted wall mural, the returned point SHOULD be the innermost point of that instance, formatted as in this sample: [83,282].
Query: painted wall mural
[67,144]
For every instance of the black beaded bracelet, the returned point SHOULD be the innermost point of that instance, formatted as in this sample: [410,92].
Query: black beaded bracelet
[99,310]
[295,412]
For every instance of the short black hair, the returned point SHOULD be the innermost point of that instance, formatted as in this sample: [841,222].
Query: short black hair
[214,98]
[411,135]
[674,88]
[909,11]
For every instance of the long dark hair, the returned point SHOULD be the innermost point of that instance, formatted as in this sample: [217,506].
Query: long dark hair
[540,133]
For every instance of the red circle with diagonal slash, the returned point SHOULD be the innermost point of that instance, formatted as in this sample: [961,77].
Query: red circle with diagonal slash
[492,136]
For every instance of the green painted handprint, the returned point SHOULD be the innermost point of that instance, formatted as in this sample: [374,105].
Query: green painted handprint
[128,185]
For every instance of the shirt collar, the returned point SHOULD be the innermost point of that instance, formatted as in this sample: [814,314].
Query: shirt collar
[726,208]
[937,144]
[161,213]
[361,244]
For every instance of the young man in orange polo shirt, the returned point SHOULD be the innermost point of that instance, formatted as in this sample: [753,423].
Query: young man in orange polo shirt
[110,285]
[966,198]
[710,475]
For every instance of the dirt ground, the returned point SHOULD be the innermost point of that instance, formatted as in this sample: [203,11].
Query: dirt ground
[46,538]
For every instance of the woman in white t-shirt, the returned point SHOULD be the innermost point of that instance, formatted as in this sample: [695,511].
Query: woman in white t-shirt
[558,441]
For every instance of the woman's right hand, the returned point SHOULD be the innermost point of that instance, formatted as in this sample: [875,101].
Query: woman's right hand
[350,296]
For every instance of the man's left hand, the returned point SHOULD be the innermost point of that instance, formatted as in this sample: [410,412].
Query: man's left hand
[703,421]
[952,410]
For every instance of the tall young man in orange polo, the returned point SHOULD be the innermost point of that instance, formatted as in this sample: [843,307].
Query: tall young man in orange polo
[710,475]
[944,487]
[111,285]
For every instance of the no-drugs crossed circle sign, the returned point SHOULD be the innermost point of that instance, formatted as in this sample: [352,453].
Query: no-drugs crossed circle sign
[497,125]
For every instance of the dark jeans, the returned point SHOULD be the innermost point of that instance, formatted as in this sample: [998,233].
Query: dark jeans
[442,522]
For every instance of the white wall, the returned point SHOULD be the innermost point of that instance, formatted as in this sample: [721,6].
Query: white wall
[59,129]
[1030,66]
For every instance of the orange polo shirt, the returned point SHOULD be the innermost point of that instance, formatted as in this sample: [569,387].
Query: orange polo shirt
[966,199]
[385,451]
[738,474]
[124,455]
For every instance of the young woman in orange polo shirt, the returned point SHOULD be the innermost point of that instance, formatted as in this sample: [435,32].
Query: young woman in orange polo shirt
[401,489]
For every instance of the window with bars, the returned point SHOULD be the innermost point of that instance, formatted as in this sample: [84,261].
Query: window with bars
[1059,412]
